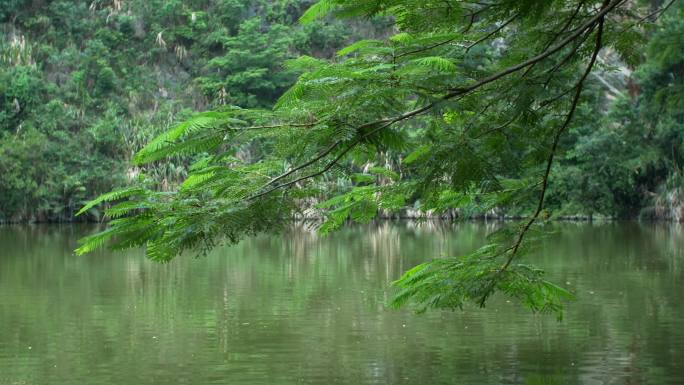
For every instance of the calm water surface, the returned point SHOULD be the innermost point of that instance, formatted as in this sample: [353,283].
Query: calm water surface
[303,309]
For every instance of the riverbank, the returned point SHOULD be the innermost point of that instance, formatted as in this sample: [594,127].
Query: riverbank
[416,215]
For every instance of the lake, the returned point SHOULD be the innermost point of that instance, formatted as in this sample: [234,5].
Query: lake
[306,309]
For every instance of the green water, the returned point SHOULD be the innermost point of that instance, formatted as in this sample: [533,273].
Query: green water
[303,309]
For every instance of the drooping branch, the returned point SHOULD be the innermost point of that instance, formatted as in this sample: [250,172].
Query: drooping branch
[549,163]
[272,185]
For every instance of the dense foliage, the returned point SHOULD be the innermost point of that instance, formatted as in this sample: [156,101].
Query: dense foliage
[84,84]
[625,155]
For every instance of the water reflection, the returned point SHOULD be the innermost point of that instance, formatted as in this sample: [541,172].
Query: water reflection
[307,309]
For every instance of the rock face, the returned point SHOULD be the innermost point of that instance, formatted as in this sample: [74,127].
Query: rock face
[670,206]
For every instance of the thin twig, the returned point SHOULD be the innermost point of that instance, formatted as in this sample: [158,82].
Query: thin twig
[657,13]
[494,32]
[280,125]
[541,56]
[566,58]
[553,99]
[497,128]
[320,156]
[441,43]
[556,35]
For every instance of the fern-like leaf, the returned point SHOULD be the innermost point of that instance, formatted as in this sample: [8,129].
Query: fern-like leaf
[437,63]
[111,196]
[317,11]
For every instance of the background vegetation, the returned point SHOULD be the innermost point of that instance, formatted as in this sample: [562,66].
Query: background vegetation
[84,84]
[625,157]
